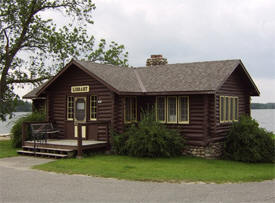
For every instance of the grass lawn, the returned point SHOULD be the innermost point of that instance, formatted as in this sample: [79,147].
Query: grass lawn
[163,169]
[6,150]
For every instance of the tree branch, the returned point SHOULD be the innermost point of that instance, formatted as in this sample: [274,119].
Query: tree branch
[28,80]
[8,42]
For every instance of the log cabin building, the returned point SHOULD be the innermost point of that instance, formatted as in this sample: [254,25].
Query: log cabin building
[200,99]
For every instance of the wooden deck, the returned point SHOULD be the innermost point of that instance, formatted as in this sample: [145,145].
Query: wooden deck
[69,144]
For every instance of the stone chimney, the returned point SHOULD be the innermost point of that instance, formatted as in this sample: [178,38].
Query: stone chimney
[156,60]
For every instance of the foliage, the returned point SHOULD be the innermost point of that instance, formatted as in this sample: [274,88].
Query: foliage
[163,169]
[262,106]
[33,46]
[6,149]
[23,106]
[148,138]
[247,142]
[16,130]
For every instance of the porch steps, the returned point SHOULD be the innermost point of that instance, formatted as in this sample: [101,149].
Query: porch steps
[47,152]
[43,154]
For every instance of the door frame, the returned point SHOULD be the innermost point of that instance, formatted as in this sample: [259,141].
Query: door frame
[75,123]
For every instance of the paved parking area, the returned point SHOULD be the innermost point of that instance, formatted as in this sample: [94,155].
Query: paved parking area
[19,183]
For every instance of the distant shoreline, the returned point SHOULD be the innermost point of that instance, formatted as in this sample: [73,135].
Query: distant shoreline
[262,106]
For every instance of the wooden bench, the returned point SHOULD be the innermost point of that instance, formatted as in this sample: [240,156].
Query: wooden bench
[42,131]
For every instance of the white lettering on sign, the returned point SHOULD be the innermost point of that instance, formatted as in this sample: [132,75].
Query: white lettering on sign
[77,89]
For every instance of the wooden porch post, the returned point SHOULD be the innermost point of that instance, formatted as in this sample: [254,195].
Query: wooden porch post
[79,141]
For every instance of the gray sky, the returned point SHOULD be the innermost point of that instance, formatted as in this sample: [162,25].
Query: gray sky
[195,30]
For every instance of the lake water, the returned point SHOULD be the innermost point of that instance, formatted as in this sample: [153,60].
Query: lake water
[265,117]
[7,125]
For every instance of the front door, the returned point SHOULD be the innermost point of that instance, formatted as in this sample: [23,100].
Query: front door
[80,115]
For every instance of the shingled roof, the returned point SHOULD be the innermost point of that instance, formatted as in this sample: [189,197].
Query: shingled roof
[185,77]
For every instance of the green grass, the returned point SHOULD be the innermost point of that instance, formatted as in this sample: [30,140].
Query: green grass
[6,149]
[163,169]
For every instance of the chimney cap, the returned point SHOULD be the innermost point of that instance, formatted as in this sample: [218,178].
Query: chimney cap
[156,56]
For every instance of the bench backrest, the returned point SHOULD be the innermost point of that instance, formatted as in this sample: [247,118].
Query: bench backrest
[41,127]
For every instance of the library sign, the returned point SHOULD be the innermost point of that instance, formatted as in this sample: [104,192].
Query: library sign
[79,89]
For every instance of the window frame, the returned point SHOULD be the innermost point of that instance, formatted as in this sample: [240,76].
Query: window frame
[231,108]
[236,113]
[167,109]
[131,110]
[179,109]
[91,107]
[72,107]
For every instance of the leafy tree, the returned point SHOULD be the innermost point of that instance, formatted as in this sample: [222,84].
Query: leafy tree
[33,47]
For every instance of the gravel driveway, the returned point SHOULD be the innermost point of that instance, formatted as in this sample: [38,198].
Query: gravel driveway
[19,183]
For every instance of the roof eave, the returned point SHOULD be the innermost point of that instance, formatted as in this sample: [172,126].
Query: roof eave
[169,93]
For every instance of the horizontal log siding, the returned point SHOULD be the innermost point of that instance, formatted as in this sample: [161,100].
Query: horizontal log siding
[234,86]
[196,131]
[61,88]
[118,114]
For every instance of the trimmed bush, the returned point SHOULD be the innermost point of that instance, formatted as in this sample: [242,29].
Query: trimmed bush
[148,138]
[247,142]
[16,130]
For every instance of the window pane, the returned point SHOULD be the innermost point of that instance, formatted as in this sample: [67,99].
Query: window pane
[236,116]
[161,108]
[172,109]
[80,106]
[127,109]
[134,109]
[70,106]
[231,109]
[183,105]
[226,108]
[93,107]
[222,108]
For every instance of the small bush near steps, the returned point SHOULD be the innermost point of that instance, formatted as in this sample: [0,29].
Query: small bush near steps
[247,142]
[148,138]
[16,130]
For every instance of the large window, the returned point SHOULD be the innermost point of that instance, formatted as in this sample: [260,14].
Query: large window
[172,109]
[93,107]
[70,108]
[161,109]
[183,106]
[229,109]
[130,109]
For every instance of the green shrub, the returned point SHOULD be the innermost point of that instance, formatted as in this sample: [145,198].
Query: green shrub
[247,142]
[16,130]
[148,139]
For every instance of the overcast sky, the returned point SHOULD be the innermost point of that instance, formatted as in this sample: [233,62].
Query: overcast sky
[195,30]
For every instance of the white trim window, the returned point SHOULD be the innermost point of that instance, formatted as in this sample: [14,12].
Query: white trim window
[161,109]
[172,109]
[183,107]
[70,108]
[93,107]
[229,109]
[130,109]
